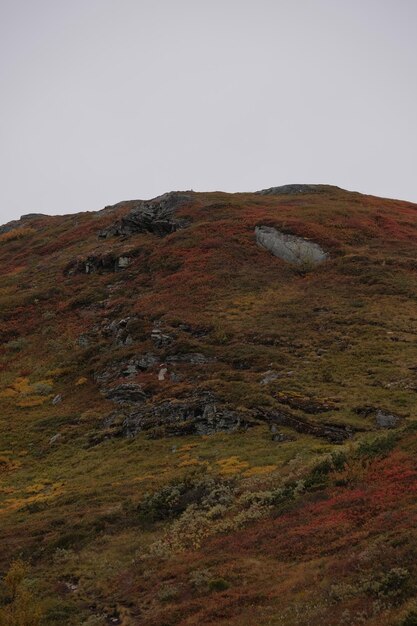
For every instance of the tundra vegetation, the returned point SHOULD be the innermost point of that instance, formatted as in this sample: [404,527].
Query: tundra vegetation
[197,431]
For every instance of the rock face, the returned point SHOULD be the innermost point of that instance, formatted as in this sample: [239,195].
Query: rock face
[6,228]
[97,263]
[128,393]
[200,415]
[385,419]
[335,433]
[285,190]
[289,248]
[155,216]
[382,417]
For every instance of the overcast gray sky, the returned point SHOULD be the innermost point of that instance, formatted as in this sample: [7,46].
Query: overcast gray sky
[105,100]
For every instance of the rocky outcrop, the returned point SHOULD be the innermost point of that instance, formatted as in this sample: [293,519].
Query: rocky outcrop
[128,393]
[199,415]
[157,216]
[285,190]
[386,419]
[194,358]
[121,332]
[97,263]
[381,417]
[20,223]
[335,433]
[290,248]
[126,368]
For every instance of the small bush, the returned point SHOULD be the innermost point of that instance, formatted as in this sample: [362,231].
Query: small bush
[16,345]
[167,593]
[21,608]
[218,584]
[380,446]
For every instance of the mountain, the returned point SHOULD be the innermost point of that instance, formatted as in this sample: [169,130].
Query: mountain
[209,412]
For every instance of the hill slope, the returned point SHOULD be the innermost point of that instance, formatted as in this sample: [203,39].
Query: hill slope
[209,410]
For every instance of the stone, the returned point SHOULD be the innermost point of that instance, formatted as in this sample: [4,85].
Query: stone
[269,377]
[156,216]
[55,439]
[291,190]
[127,393]
[123,262]
[196,358]
[201,415]
[95,263]
[290,248]
[382,417]
[160,339]
[281,437]
[335,433]
[385,419]
[57,399]
[83,341]
[126,368]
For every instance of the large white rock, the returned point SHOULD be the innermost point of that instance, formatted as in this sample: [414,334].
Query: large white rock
[290,248]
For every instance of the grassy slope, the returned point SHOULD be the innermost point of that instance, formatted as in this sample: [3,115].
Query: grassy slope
[330,549]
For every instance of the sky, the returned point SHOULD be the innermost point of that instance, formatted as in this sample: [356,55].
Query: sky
[109,100]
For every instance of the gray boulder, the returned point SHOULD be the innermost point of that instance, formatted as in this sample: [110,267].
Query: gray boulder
[290,248]
[385,419]
[289,190]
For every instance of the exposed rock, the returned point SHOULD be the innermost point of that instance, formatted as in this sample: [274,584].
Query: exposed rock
[385,419]
[269,377]
[126,368]
[6,228]
[284,190]
[31,216]
[156,216]
[57,399]
[160,339]
[200,415]
[335,433]
[196,331]
[306,404]
[127,393]
[83,341]
[119,330]
[365,410]
[289,248]
[196,358]
[97,263]
[123,262]
[278,436]
[55,439]
[382,417]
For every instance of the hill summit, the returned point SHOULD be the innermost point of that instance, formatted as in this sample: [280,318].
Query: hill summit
[209,411]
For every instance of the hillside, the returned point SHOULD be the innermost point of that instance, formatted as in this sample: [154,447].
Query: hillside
[209,412]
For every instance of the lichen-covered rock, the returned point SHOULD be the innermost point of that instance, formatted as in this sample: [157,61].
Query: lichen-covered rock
[156,216]
[126,367]
[382,418]
[335,433]
[127,393]
[285,190]
[195,358]
[97,263]
[200,415]
[290,248]
[386,419]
